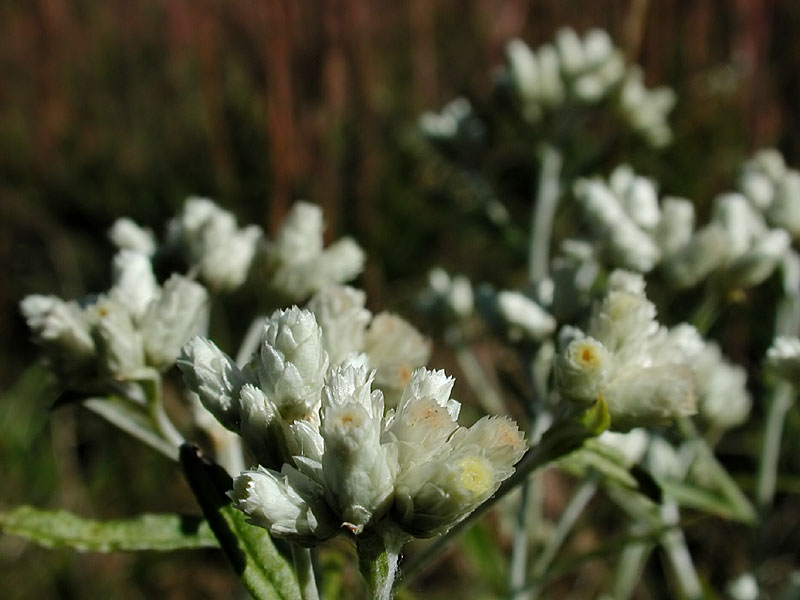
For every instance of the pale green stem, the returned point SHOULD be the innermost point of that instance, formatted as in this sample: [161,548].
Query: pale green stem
[519,550]
[707,311]
[228,450]
[304,569]
[162,422]
[577,503]
[780,403]
[101,407]
[674,543]
[629,569]
[544,214]
[379,560]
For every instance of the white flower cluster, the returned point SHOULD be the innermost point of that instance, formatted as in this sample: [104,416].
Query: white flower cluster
[330,457]
[639,368]
[136,324]
[634,231]
[214,245]
[448,295]
[297,263]
[393,347]
[587,70]
[448,123]
[773,189]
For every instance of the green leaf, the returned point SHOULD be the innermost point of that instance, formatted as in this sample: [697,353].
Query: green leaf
[59,528]
[265,572]
[707,500]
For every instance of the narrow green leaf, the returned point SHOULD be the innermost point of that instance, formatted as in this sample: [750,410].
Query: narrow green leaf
[706,500]
[265,572]
[60,528]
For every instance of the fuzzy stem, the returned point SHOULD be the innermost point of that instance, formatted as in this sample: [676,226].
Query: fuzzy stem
[379,560]
[519,550]
[304,569]
[542,219]
[781,401]
[580,498]
[629,569]
[674,543]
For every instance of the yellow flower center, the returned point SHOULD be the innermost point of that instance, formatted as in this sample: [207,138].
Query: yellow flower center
[476,476]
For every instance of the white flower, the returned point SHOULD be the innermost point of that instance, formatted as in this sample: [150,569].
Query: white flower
[287,504]
[297,262]
[721,388]
[641,370]
[705,252]
[445,124]
[785,209]
[135,285]
[178,313]
[359,471]
[292,363]
[395,349]
[450,295]
[62,329]
[524,319]
[127,235]
[343,318]
[214,244]
[759,261]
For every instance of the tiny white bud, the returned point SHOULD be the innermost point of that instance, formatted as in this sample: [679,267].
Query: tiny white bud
[214,377]
[127,235]
[292,363]
[524,319]
[135,285]
[341,315]
[287,504]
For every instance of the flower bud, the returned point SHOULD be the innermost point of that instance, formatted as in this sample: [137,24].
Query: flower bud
[127,235]
[638,396]
[62,329]
[135,285]
[341,315]
[785,210]
[674,230]
[288,504]
[359,471]
[215,378]
[524,319]
[395,349]
[582,369]
[570,51]
[119,345]
[705,252]
[292,363]
[523,69]
[175,316]
[759,262]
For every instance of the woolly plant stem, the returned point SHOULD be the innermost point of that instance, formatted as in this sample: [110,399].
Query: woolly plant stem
[544,214]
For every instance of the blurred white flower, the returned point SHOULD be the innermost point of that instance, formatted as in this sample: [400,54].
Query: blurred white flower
[125,234]
[214,244]
[297,263]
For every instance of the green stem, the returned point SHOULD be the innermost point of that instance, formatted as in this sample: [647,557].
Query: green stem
[304,569]
[706,313]
[629,569]
[519,550]
[379,560]
[577,503]
[544,214]
[780,403]
[674,543]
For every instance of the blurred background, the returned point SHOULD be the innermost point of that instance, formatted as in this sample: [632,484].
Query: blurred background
[121,108]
